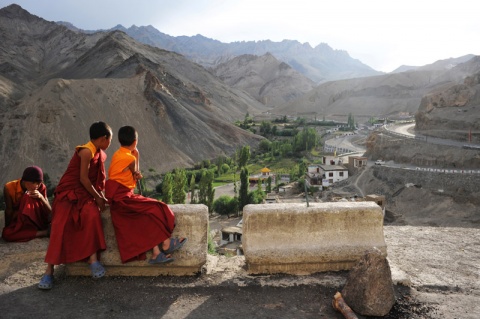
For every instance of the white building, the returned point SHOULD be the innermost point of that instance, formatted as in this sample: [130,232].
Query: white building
[326,175]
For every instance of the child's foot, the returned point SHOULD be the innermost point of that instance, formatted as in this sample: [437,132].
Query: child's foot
[97,270]
[161,258]
[175,244]
[46,283]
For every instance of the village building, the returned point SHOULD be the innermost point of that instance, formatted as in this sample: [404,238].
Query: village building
[265,173]
[326,175]
[356,163]
[231,241]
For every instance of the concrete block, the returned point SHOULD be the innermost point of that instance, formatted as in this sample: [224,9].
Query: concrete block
[191,222]
[292,238]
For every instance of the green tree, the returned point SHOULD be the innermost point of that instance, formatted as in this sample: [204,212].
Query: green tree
[302,168]
[244,156]
[305,140]
[264,145]
[167,188]
[293,172]
[265,128]
[192,189]
[243,194]
[350,122]
[206,163]
[268,188]
[179,185]
[206,192]
[203,188]
[224,168]
[274,130]
[225,205]
[210,190]
[256,197]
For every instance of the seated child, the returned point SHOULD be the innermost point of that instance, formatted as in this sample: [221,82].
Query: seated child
[140,223]
[77,230]
[27,210]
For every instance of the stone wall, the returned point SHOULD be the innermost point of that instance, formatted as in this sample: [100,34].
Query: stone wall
[296,239]
[191,222]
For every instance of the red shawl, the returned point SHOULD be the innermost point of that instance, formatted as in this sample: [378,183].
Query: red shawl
[140,223]
[77,230]
[32,215]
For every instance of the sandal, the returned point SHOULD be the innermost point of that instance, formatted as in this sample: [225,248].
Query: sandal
[175,244]
[162,258]
[46,283]
[97,270]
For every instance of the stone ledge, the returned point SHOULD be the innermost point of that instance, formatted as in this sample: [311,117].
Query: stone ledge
[191,222]
[296,239]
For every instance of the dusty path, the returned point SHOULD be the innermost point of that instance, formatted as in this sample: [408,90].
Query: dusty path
[355,183]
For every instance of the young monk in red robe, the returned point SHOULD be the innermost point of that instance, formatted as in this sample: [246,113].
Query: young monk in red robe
[77,231]
[27,210]
[140,223]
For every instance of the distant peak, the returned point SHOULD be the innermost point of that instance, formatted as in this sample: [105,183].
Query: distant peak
[15,10]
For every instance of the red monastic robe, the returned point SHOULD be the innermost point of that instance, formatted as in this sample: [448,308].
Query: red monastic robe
[140,222]
[32,215]
[77,231]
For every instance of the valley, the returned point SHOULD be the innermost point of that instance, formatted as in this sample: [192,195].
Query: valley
[189,106]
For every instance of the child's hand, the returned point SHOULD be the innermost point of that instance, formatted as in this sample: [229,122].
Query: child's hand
[34,194]
[101,203]
[137,175]
[37,195]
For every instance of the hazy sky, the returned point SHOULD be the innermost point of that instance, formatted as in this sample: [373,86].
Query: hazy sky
[383,34]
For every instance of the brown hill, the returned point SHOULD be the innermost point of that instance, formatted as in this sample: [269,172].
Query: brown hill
[452,111]
[264,77]
[54,83]
[381,96]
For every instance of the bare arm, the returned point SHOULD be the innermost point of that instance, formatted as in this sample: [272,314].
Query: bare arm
[85,157]
[36,194]
[135,165]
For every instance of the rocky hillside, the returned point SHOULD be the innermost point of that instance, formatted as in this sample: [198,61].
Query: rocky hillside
[55,82]
[421,153]
[264,77]
[392,95]
[453,110]
[321,63]
[419,198]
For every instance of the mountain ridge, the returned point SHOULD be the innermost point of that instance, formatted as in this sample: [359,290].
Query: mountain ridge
[183,113]
[320,63]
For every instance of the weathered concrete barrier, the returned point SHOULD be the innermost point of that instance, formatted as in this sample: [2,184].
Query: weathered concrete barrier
[296,239]
[191,222]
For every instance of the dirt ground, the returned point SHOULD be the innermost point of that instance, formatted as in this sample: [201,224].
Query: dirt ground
[436,272]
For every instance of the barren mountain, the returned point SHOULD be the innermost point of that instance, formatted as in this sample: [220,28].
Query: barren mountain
[55,82]
[381,96]
[452,111]
[265,78]
[321,63]
[438,65]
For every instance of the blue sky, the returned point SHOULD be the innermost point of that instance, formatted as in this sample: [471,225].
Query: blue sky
[383,34]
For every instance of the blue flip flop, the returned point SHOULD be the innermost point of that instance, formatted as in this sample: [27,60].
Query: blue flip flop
[97,270]
[46,283]
[175,244]
[162,258]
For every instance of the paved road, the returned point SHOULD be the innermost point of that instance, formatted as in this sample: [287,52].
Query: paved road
[407,130]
